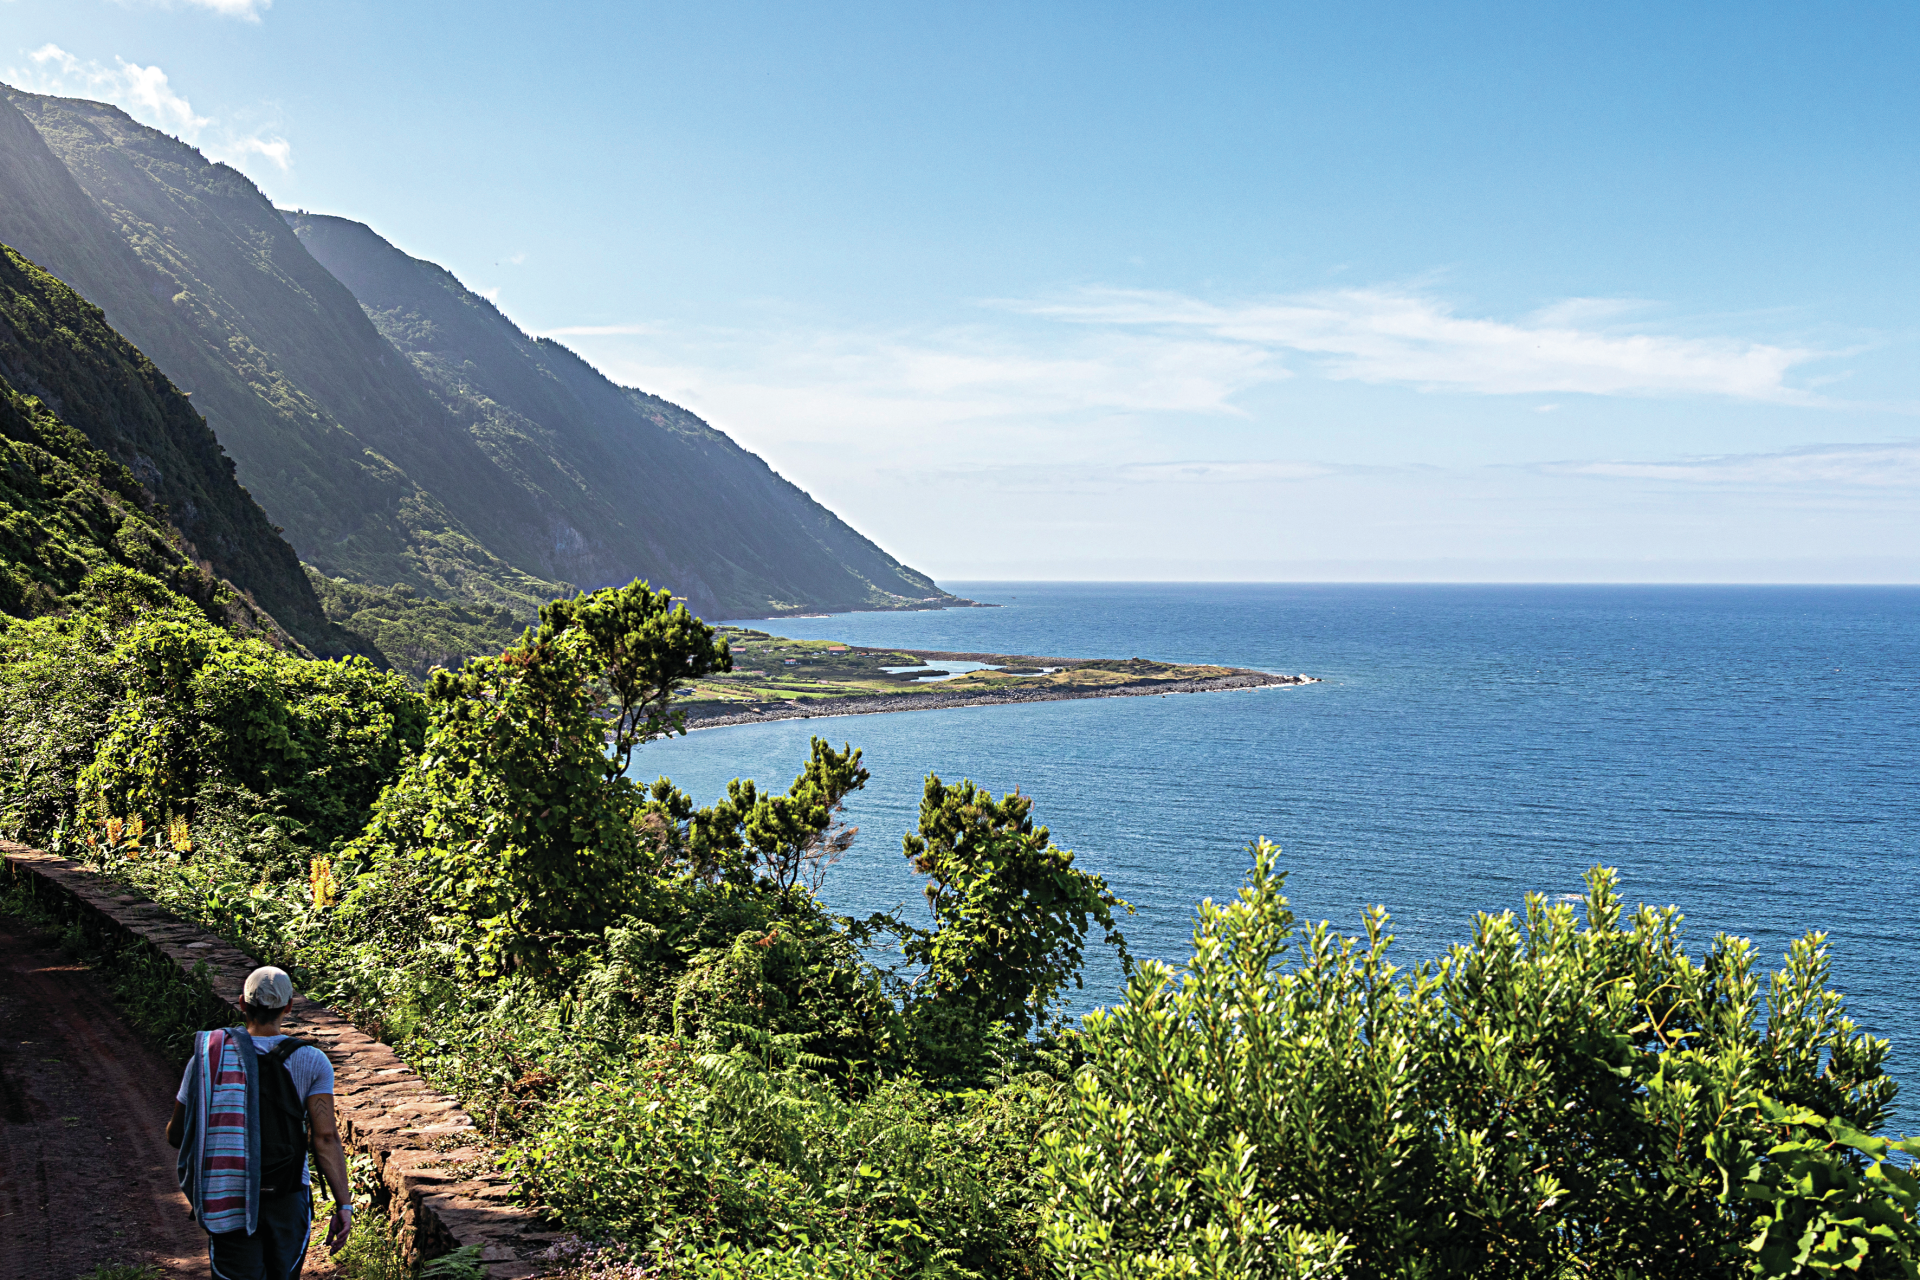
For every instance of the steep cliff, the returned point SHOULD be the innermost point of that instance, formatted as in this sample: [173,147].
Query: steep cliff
[402,430]
[121,403]
[627,484]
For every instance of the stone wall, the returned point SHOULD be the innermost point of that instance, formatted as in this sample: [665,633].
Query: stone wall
[444,1192]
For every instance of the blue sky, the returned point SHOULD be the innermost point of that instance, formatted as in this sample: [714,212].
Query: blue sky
[1486,292]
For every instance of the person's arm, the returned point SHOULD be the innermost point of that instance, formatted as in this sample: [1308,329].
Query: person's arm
[333,1166]
[177,1127]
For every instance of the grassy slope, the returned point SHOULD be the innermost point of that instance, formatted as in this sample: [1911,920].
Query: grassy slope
[627,484]
[118,399]
[66,508]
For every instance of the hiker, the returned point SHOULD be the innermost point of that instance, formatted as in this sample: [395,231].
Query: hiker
[247,1102]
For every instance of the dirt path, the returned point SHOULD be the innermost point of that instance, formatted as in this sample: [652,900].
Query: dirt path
[86,1175]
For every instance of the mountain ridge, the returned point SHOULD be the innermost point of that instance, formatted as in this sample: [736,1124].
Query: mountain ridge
[403,430]
[583,443]
[49,220]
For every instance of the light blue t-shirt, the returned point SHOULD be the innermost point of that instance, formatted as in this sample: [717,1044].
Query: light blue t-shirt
[308,1067]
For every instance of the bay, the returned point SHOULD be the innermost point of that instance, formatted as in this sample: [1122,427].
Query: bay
[1750,754]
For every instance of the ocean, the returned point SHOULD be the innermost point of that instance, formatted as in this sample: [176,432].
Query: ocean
[1749,754]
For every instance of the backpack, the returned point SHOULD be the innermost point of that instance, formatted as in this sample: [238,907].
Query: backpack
[283,1122]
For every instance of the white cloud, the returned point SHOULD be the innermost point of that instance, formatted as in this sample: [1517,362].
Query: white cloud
[142,91]
[148,96]
[1385,336]
[1131,376]
[245,10]
[863,386]
[1858,466]
[602,330]
[276,149]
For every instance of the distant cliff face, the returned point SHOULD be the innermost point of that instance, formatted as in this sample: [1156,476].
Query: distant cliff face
[397,425]
[627,484]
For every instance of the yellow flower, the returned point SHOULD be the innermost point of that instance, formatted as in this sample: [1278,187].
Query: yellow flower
[325,891]
[179,836]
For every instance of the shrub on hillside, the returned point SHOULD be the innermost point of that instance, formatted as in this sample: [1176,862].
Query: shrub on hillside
[135,707]
[1554,1098]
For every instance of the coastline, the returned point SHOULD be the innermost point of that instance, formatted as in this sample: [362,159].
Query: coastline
[726,716]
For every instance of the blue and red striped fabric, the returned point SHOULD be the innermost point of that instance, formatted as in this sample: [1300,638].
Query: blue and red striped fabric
[223,1146]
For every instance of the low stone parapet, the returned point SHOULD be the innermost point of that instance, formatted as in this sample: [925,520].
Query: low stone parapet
[423,1145]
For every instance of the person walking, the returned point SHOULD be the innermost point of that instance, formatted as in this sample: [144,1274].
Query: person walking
[252,1102]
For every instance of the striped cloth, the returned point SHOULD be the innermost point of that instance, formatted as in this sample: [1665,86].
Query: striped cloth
[219,1165]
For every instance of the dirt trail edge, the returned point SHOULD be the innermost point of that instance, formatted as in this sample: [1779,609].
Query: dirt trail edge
[86,1175]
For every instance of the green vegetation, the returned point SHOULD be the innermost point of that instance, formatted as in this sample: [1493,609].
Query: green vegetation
[136,710]
[66,507]
[416,632]
[773,668]
[690,1060]
[1552,1099]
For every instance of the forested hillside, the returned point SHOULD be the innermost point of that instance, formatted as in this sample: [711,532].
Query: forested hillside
[323,418]
[67,508]
[472,464]
[627,483]
[111,393]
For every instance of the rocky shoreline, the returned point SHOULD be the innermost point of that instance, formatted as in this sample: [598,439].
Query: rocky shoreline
[720,717]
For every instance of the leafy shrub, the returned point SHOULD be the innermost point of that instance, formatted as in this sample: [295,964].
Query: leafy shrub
[1011,911]
[1551,1099]
[703,1153]
[137,705]
[524,820]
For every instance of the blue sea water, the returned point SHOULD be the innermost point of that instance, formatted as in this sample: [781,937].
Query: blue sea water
[1750,754]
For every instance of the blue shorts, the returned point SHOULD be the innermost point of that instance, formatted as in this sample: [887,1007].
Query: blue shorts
[275,1251]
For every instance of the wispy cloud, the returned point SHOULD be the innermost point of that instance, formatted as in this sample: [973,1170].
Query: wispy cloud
[1860,466]
[601,330]
[146,94]
[276,149]
[1089,476]
[245,10]
[1225,472]
[1053,367]
[1388,336]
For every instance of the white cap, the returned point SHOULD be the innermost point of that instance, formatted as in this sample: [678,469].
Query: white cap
[269,988]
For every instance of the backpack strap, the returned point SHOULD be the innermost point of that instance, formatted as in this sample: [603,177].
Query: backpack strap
[287,1048]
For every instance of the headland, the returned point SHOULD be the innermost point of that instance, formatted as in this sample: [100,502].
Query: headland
[776,678]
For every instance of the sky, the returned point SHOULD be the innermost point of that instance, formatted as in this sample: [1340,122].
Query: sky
[1480,292]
